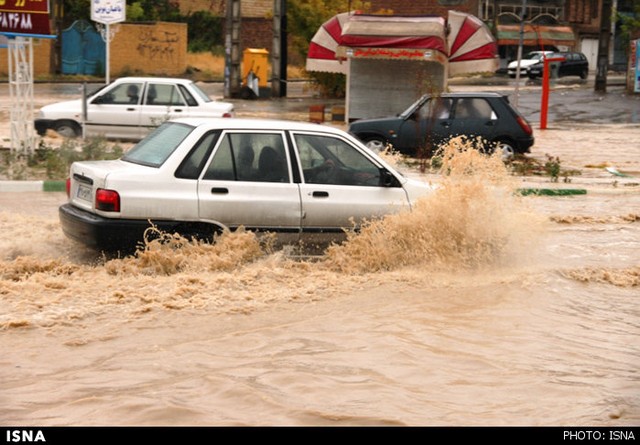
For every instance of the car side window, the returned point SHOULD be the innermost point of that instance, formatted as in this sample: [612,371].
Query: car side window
[436,108]
[193,163]
[191,101]
[473,108]
[254,157]
[330,160]
[123,94]
[163,94]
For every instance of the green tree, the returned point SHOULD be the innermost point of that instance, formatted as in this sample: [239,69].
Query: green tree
[629,22]
[304,18]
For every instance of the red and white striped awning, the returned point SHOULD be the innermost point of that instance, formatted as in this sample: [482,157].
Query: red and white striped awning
[468,47]
[472,47]
[324,44]
[388,37]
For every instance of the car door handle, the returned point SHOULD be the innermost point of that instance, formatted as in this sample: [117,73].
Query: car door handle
[131,109]
[219,190]
[320,194]
[177,110]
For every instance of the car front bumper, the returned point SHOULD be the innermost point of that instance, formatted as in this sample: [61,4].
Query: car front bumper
[42,125]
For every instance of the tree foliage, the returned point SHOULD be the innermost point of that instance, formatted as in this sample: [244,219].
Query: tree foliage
[304,18]
[204,30]
[630,22]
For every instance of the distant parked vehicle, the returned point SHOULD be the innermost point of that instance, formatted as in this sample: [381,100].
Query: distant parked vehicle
[130,107]
[527,61]
[574,64]
[432,120]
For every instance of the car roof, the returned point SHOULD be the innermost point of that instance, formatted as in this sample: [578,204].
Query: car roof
[470,94]
[149,78]
[255,124]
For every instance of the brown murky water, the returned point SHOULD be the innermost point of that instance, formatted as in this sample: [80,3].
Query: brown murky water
[479,308]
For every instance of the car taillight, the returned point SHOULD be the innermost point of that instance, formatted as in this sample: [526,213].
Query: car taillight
[68,187]
[228,114]
[107,200]
[524,125]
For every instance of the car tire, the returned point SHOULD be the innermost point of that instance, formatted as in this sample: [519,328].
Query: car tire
[584,74]
[376,144]
[67,129]
[506,148]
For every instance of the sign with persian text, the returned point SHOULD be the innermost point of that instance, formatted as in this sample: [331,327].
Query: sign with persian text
[108,11]
[29,17]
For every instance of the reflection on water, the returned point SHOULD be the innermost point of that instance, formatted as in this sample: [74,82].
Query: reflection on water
[474,309]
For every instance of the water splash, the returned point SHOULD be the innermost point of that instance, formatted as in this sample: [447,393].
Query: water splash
[474,219]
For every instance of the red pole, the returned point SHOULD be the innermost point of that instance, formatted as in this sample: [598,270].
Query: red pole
[544,105]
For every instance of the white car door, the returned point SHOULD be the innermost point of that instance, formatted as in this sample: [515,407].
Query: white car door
[162,101]
[115,112]
[248,183]
[342,186]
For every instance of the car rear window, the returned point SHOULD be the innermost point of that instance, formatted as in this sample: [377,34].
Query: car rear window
[156,148]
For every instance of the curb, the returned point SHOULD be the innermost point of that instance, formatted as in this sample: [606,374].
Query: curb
[32,186]
[551,192]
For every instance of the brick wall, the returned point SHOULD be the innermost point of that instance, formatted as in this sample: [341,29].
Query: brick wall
[249,8]
[584,14]
[215,7]
[158,48]
[424,7]
[42,49]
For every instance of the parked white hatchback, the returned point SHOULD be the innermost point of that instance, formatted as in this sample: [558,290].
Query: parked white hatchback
[197,177]
[129,108]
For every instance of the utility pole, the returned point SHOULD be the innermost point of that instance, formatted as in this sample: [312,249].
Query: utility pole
[603,46]
[522,16]
[279,51]
[233,57]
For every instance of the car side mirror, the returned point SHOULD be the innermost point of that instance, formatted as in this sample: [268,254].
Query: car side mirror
[106,98]
[387,179]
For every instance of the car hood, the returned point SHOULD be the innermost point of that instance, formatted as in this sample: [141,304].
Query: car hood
[67,106]
[380,124]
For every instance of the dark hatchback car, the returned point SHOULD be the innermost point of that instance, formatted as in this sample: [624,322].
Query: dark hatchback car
[574,64]
[433,120]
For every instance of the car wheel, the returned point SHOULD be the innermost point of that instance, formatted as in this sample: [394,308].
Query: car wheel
[376,144]
[67,129]
[584,74]
[506,149]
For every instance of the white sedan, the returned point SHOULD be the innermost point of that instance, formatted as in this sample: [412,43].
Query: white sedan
[129,108]
[197,177]
[527,61]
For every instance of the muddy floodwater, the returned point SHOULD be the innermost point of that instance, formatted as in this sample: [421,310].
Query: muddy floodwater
[481,307]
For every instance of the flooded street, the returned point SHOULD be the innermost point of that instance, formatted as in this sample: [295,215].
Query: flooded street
[481,307]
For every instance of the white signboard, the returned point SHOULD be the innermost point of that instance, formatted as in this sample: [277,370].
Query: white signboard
[108,11]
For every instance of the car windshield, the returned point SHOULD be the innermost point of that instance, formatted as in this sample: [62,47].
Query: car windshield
[156,148]
[535,56]
[204,96]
